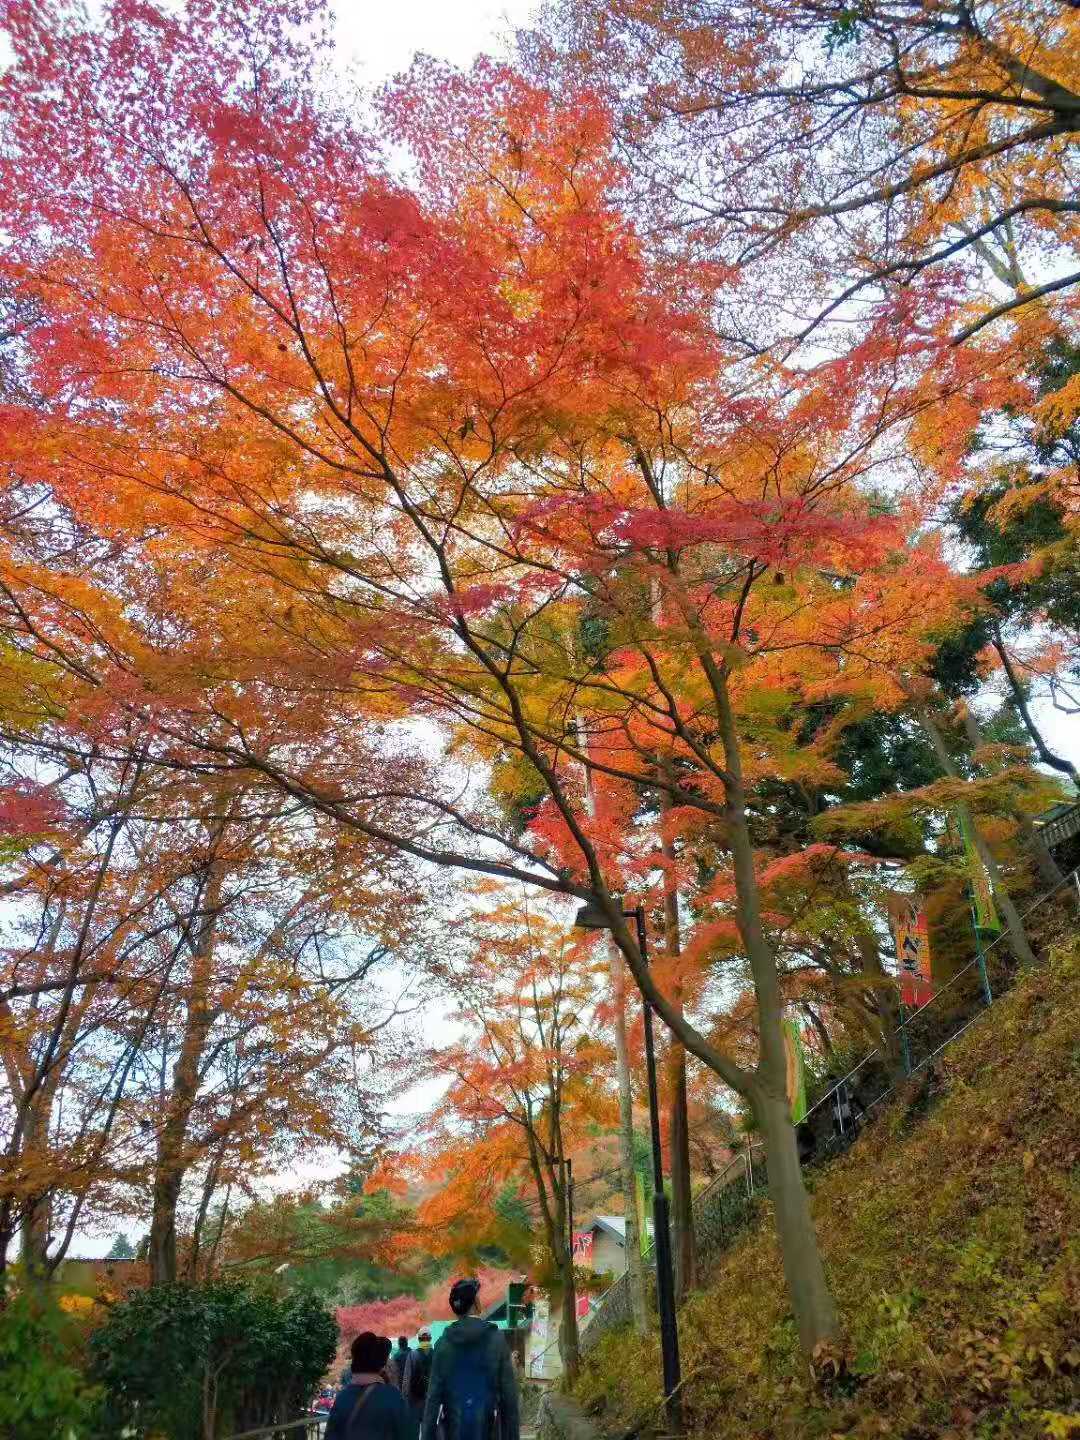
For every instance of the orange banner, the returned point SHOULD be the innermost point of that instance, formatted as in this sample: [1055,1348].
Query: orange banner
[912,936]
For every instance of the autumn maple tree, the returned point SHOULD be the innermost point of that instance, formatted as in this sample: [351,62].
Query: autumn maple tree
[175,1007]
[853,148]
[526,1087]
[383,489]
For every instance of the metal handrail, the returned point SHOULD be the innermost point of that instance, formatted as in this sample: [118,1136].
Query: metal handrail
[717,1183]
[1073,875]
[283,1427]
[1063,826]
[540,1355]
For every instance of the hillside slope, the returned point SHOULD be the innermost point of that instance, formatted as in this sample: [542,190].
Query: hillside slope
[952,1241]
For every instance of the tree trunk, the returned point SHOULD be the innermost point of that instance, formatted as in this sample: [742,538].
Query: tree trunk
[1048,868]
[684,1242]
[1018,940]
[811,1301]
[34,1075]
[808,1289]
[34,1238]
[887,1003]
[549,1170]
[815,1312]
[627,1173]
[168,1178]
[1050,872]
[219,1232]
[1018,937]
[172,1159]
[820,1029]
[569,1351]
[191,1269]
[36,1208]
[1046,755]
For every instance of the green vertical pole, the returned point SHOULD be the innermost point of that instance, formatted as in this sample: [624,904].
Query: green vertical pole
[905,1043]
[983,976]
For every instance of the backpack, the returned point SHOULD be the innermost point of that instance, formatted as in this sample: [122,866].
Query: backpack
[419,1375]
[471,1393]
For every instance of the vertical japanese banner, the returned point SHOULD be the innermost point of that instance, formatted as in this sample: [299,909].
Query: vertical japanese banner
[639,1193]
[583,1247]
[912,936]
[986,916]
[796,1071]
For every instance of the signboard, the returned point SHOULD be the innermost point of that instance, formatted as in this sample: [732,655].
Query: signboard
[912,937]
[583,1247]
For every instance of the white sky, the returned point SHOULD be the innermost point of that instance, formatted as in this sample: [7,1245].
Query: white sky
[381,39]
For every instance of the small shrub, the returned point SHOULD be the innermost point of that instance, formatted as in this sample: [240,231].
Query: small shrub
[193,1360]
[42,1391]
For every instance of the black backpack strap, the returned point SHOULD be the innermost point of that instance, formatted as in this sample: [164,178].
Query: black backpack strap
[357,1408]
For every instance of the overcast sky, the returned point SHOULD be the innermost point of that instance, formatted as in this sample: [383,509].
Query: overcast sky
[382,38]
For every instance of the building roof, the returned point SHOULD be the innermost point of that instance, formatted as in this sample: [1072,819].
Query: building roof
[615,1225]
[1055,812]
[435,1329]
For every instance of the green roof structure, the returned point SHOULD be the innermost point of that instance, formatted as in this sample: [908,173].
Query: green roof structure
[435,1329]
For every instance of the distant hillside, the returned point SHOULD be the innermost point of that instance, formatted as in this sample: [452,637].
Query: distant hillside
[952,1240]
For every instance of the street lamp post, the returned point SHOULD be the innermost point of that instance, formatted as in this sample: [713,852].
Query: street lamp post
[592,917]
[570,1205]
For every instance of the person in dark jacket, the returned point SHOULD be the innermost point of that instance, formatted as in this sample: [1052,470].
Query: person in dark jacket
[472,1384]
[395,1369]
[368,1408]
[414,1385]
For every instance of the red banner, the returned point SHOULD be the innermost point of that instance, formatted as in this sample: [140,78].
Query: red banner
[912,935]
[583,1247]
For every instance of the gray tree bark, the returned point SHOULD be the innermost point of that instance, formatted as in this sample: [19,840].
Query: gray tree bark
[172,1160]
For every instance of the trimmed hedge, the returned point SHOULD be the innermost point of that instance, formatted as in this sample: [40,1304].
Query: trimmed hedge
[187,1361]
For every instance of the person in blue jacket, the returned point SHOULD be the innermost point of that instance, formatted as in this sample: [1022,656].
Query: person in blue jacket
[472,1390]
[368,1408]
